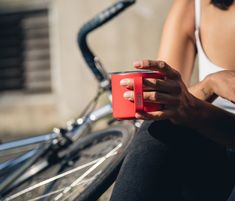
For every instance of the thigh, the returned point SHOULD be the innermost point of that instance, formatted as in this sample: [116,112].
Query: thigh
[232,195]
[166,161]
[146,173]
[205,171]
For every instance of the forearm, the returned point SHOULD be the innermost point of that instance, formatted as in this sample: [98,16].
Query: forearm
[213,122]
[182,108]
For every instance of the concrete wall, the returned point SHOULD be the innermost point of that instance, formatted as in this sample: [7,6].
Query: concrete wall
[133,35]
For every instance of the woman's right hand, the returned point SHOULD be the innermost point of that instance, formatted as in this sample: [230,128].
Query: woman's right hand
[222,84]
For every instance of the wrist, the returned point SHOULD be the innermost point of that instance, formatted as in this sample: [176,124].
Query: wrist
[208,82]
[208,88]
[207,85]
[197,109]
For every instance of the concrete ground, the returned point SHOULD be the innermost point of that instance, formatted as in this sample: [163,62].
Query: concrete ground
[106,196]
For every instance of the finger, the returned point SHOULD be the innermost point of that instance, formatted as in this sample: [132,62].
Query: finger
[154,97]
[148,84]
[158,115]
[159,97]
[129,95]
[169,86]
[128,83]
[157,66]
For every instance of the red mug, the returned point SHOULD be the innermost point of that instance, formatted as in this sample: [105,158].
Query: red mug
[125,109]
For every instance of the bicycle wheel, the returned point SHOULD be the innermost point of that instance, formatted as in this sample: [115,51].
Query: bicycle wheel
[89,167]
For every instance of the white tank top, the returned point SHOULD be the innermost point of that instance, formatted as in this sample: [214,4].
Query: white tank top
[205,65]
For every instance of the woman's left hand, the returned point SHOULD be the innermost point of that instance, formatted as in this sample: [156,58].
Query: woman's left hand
[171,92]
[222,84]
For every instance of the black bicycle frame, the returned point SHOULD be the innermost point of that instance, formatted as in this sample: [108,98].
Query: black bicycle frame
[91,25]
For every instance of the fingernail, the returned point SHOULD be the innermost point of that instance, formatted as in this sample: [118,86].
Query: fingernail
[124,82]
[161,64]
[127,94]
[137,115]
[137,64]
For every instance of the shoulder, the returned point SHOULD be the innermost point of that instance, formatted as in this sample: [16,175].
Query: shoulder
[182,15]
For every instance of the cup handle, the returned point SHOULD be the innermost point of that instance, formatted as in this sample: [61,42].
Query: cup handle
[138,94]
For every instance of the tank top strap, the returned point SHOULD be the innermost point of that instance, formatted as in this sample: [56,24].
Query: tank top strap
[197,14]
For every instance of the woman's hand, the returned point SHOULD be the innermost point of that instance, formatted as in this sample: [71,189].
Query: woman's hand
[223,84]
[171,92]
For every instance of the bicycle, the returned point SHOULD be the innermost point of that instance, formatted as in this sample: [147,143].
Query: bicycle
[71,163]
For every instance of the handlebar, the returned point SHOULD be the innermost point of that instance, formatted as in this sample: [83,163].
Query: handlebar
[93,24]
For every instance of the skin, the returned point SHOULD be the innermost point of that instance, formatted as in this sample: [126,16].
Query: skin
[176,57]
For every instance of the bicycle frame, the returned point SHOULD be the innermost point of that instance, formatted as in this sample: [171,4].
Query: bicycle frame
[65,137]
[84,122]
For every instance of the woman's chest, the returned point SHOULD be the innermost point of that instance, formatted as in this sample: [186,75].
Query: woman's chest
[217,33]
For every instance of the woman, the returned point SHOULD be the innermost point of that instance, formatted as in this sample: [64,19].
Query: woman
[182,153]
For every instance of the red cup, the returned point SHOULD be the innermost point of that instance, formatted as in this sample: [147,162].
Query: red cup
[124,109]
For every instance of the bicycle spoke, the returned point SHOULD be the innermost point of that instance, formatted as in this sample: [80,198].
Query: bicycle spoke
[89,181]
[50,180]
[94,164]
[101,160]
[60,190]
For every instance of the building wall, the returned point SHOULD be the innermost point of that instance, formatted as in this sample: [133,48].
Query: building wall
[133,35]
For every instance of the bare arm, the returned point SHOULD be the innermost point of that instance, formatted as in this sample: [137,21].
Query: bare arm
[214,123]
[177,45]
[181,107]
[188,107]
[203,91]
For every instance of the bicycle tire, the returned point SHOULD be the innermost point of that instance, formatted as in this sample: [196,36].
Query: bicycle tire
[94,145]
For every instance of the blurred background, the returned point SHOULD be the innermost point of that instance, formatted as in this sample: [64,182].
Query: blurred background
[43,79]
